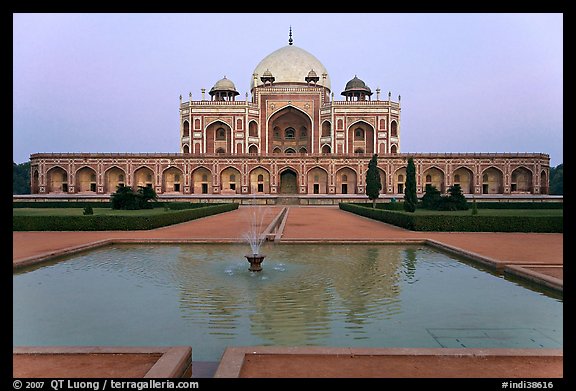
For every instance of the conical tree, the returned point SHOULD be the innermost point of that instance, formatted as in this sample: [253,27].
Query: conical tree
[373,184]
[410,198]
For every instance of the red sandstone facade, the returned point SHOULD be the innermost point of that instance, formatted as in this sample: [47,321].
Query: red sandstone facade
[291,137]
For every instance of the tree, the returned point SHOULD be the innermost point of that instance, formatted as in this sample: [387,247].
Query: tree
[21,178]
[410,197]
[373,184]
[455,201]
[557,180]
[146,194]
[126,198]
[431,197]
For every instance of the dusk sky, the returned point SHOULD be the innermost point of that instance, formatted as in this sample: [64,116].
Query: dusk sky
[110,82]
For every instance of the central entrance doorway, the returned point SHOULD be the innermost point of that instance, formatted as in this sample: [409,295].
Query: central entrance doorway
[288,183]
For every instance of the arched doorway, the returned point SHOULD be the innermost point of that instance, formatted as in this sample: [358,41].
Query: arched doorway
[57,180]
[113,177]
[433,176]
[172,180]
[317,181]
[345,181]
[492,181]
[361,138]
[259,181]
[521,181]
[230,179]
[463,177]
[143,177]
[288,182]
[85,180]
[202,181]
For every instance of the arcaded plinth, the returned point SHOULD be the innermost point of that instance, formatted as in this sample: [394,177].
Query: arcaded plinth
[255,261]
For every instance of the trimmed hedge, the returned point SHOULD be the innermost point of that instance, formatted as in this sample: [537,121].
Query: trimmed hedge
[467,223]
[114,223]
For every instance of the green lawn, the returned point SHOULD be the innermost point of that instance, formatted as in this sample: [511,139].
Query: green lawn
[493,212]
[79,212]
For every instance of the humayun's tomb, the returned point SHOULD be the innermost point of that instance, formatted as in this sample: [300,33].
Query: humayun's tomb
[290,138]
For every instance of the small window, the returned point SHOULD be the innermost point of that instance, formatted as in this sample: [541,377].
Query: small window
[220,150]
[289,150]
[204,178]
[456,178]
[176,177]
[289,134]
[358,150]
[220,134]
[93,177]
[303,132]
[400,178]
[316,178]
[232,178]
[428,178]
[260,178]
[121,178]
[344,178]
[149,177]
[485,177]
[277,133]
[359,134]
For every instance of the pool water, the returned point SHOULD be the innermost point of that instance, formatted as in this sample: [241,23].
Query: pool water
[202,295]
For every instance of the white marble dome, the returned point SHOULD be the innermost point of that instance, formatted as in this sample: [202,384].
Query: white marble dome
[290,64]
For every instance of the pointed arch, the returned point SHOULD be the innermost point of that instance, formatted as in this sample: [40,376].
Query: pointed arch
[464,177]
[57,180]
[290,128]
[361,137]
[492,180]
[230,180]
[85,178]
[114,176]
[317,179]
[434,176]
[253,128]
[326,129]
[202,180]
[521,180]
[346,180]
[383,181]
[143,176]
[399,180]
[259,178]
[172,180]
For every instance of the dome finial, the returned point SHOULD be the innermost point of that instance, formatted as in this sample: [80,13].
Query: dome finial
[290,40]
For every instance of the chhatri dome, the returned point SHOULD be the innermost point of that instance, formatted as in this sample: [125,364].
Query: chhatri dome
[290,64]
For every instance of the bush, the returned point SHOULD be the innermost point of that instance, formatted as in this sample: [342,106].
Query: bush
[431,197]
[114,223]
[88,211]
[126,198]
[468,223]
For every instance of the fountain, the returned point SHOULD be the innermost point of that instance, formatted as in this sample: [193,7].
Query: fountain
[255,238]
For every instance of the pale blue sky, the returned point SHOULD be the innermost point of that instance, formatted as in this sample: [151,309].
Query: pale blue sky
[110,82]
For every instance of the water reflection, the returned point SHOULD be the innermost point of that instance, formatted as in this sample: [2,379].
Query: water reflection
[301,293]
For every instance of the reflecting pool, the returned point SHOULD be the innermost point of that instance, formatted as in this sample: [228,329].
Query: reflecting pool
[202,295]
